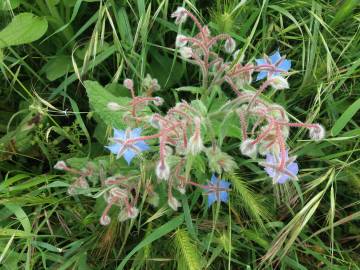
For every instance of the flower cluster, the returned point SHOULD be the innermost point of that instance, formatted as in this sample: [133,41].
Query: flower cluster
[186,130]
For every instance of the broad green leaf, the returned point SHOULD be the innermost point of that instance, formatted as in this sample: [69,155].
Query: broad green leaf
[345,117]
[58,67]
[99,97]
[24,28]
[9,4]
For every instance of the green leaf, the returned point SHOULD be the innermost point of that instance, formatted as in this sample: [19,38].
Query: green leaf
[345,117]
[99,98]
[58,67]
[156,234]
[9,4]
[24,28]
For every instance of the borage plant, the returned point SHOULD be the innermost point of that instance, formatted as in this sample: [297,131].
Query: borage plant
[189,136]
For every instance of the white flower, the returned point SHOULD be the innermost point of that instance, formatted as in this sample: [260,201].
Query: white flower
[105,220]
[186,52]
[60,165]
[317,133]
[279,83]
[163,170]
[113,106]
[180,41]
[180,15]
[229,45]
[174,203]
[248,148]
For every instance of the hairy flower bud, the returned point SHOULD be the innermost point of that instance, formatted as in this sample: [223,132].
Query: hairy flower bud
[279,83]
[158,101]
[317,133]
[195,144]
[174,203]
[248,148]
[163,170]
[128,213]
[180,41]
[60,165]
[229,45]
[129,84]
[220,161]
[180,15]
[186,52]
[105,220]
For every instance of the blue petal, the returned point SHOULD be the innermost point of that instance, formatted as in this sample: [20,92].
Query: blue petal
[142,146]
[261,75]
[114,148]
[283,179]
[224,184]
[214,179]
[260,62]
[293,168]
[224,196]
[269,171]
[211,198]
[120,134]
[129,155]
[285,65]
[270,158]
[275,57]
[136,132]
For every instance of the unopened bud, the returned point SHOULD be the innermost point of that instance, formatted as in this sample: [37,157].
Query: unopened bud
[129,213]
[158,101]
[248,148]
[163,170]
[186,52]
[279,83]
[174,203]
[105,220]
[129,84]
[317,133]
[60,165]
[181,41]
[229,45]
[180,15]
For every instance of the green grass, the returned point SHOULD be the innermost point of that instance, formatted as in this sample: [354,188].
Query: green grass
[45,117]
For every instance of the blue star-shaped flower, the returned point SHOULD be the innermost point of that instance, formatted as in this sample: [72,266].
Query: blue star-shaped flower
[276,60]
[289,172]
[128,150]
[217,190]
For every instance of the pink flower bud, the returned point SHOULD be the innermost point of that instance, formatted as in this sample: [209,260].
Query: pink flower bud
[60,165]
[105,220]
[129,84]
[279,83]
[163,170]
[180,15]
[158,101]
[174,203]
[180,41]
[186,52]
[317,133]
[229,45]
[248,148]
